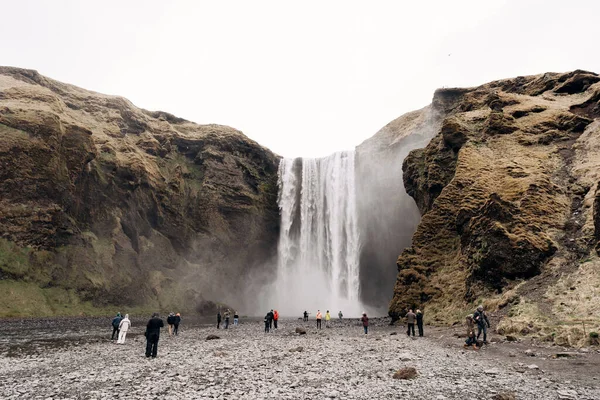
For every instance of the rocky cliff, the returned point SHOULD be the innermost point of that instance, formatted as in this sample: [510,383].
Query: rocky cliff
[508,192]
[101,201]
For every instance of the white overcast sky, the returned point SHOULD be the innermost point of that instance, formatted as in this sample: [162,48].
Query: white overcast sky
[304,78]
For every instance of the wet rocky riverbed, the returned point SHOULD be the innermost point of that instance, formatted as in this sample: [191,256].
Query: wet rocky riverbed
[73,358]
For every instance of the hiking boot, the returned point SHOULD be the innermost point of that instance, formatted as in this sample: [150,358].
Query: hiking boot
[475,347]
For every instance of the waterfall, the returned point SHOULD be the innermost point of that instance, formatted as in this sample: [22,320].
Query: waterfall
[319,246]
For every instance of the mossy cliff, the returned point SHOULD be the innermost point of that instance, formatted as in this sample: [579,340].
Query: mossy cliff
[122,206]
[508,192]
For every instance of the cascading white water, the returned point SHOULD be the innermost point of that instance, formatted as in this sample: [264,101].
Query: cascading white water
[319,246]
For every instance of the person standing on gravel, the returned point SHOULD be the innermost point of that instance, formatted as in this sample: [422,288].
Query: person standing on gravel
[123,328]
[319,317]
[226,315]
[236,318]
[483,323]
[410,322]
[176,322]
[275,318]
[115,324]
[327,319]
[340,315]
[305,316]
[267,322]
[365,322]
[270,317]
[218,319]
[153,334]
[170,322]
[420,322]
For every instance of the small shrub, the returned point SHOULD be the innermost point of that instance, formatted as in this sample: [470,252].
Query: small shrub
[594,335]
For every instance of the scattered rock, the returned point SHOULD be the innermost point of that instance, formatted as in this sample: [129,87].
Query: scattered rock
[212,337]
[504,396]
[510,338]
[492,371]
[533,366]
[567,394]
[405,373]
[300,331]
[393,333]
[296,349]
[529,353]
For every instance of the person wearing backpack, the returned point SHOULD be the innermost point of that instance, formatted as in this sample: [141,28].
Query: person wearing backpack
[115,324]
[176,322]
[123,328]
[171,322]
[365,322]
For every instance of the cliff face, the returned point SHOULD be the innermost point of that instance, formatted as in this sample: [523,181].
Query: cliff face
[387,216]
[507,189]
[119,205]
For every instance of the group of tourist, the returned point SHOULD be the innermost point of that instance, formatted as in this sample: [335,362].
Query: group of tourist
[120,327]
[480,319]
[226,315]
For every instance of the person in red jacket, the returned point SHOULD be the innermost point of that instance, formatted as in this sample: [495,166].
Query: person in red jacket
[365,322]
[275,318]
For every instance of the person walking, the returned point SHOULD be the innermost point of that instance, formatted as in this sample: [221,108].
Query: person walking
[226,315]
[327,318]
[176,322]
[236,318]
[153,334]
[218,319]
[123,328]
[115,324]
[340,315]
[410,322]
[170,322]
[305,316]
[420,322]
[275,318]
[365,322]
[319,317]
[483,323]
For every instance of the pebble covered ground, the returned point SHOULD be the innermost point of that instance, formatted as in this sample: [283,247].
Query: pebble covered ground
[340,362]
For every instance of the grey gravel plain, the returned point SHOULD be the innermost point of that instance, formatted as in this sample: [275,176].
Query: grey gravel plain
[245,363]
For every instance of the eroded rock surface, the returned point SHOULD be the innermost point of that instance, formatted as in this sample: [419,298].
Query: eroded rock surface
[121,205]
[507,190]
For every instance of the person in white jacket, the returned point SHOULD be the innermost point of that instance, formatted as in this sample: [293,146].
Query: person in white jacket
[123,327]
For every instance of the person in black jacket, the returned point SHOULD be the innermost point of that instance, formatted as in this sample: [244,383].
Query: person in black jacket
[482,321]
[176,322]
[152,335]
[115,324]
[270,317]
[218,319]
[420,322]
[171,322]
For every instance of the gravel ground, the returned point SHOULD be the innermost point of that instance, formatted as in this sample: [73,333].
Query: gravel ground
[245,363]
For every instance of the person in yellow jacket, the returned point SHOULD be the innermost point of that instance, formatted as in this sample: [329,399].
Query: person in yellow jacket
[327,318]
[319,318]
